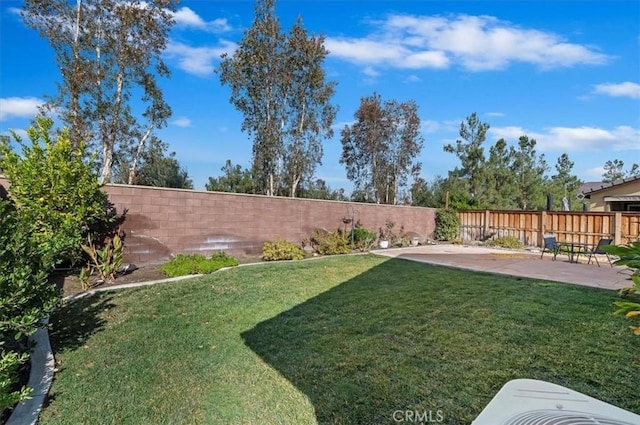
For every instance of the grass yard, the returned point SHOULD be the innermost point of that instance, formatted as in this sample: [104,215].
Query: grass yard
[341,340]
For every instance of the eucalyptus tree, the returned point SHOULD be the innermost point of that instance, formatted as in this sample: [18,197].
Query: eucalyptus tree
[278,84]
[380,148]
[309,111]
[108,53]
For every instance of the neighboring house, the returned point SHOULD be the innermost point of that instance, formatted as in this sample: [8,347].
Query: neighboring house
[621,195]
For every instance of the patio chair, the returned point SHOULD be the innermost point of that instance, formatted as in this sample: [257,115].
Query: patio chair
[550,245]
[597,250]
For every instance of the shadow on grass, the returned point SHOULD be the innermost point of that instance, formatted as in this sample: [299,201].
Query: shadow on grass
[75,322]
[407,337]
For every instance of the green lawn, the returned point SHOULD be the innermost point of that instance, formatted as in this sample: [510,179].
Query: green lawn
[341,340]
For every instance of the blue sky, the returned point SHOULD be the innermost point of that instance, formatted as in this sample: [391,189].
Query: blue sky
[566,73]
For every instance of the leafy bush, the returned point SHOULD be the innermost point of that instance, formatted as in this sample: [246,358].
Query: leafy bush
[510,242]
[447,225]
[628,255]
[363,239]
[197,264]
[26,297]
[330,243]
[281,249]
[56,191]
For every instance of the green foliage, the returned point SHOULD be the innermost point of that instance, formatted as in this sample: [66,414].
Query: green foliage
[160,169]
[56,191]
[197,264]
[380,149]
[330,243]
[628,255]
[234,179]
[510,242]
[281,249]
[26,297]
[277,82]
[9,363]
[363,239]
[447,225]
[105,261]
[469,150]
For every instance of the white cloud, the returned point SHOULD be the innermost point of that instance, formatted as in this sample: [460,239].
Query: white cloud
[477,43]
[370,71]
[19,107]
[594,174]
[446,126]
[186,17]
[495,114]
[198,60]
[181,122]
[626,89]
[565,139]
[413,79]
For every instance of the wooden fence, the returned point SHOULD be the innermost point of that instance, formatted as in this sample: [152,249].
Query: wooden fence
[530,226]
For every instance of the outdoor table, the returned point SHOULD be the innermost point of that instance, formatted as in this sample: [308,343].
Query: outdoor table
[575,249]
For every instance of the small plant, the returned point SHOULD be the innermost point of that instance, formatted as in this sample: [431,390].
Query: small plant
[105,261]
[281,249]
[185,264]
[510,242]
[362,239]
[628,255]
[447,225]
[330,243]
[387,233]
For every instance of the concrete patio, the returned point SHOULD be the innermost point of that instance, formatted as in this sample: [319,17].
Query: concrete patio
[517,263]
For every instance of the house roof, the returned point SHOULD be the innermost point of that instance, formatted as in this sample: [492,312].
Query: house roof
[591,187]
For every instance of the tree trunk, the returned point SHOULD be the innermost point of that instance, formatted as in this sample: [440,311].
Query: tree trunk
[136,158]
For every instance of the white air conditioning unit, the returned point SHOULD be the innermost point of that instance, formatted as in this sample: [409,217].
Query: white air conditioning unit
[532,402]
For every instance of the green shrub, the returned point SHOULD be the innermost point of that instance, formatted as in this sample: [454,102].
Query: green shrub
[510,242]
[281,249]
[185,264]
[447,225]
[57,192]
[330,243]
[628,255]
[363,239]
[26,297]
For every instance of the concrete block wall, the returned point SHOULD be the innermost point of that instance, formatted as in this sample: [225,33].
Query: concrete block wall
[162,222]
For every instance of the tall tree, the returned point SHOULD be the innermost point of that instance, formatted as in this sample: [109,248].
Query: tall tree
[278,84]
[563,183]
[233,179]
[108,52]
[380,149]
[319,189]
[469,150]
[529,170]
[614,170]
[500,190]
[161,169]
[156,168]
[309,111]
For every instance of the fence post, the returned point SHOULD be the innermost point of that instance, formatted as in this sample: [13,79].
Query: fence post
[542,229]
[617,229]
[485,236]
